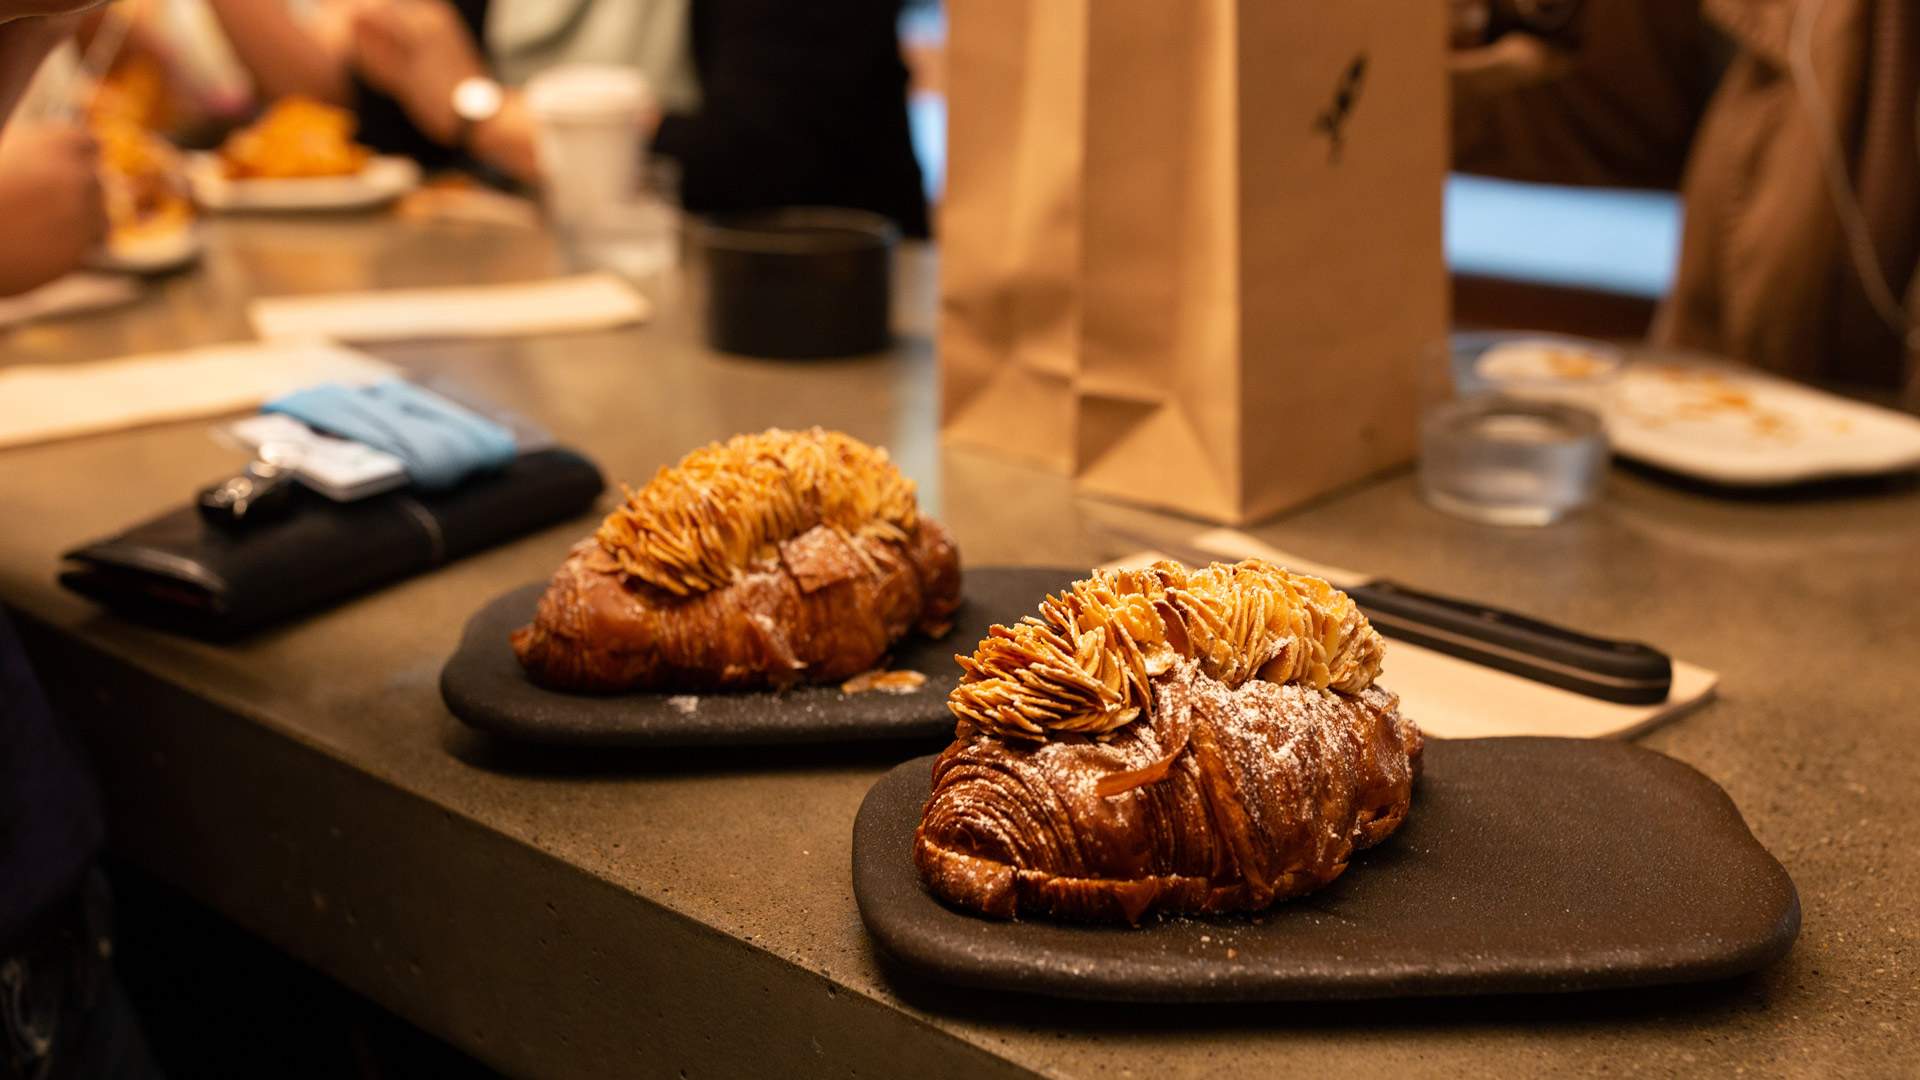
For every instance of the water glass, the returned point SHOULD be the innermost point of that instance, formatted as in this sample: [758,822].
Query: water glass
[1512,428]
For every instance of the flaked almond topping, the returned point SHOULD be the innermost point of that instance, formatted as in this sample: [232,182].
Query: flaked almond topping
[698,524]
[1084,663]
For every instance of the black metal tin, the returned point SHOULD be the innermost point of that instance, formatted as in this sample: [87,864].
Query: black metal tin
[799,283]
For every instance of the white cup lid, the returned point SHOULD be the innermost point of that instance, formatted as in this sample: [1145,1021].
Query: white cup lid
[588,92]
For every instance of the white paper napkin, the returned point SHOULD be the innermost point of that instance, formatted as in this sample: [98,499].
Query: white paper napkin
[582,302]
[39,402]
[1451,698]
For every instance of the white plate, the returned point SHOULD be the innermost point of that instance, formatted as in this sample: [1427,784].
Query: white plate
[1547,359]
[149,253]
[1740,427]
[383,180]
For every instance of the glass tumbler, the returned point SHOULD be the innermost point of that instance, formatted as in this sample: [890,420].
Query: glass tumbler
[1512,428]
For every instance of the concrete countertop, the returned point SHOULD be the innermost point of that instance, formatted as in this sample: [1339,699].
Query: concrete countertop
[653,913]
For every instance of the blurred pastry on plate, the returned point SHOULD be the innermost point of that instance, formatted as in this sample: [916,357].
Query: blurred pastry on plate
[767,560]
[142,182]
[1171,740]
[297,138]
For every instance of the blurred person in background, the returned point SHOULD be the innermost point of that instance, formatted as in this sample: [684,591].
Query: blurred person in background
[762,102]
[1791,129]
[49,188]
[50,200]
[62,1011]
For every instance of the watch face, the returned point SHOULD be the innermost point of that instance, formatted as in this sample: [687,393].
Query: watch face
[476,99]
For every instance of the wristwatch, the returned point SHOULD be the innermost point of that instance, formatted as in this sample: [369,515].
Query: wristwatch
[476,99]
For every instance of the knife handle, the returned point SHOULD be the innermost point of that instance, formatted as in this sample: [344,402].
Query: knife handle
[1623,671]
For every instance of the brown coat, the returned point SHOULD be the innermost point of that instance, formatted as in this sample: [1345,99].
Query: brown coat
[1765,272]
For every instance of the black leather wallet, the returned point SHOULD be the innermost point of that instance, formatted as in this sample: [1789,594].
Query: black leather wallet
[183,573]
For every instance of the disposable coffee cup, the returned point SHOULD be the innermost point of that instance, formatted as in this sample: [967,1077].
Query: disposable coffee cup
[588,120]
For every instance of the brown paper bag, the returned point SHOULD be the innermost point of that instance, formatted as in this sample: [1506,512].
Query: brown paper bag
[1010,225]
[1191,251]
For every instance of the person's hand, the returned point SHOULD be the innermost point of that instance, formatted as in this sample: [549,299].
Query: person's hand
[416,52]
[50,199]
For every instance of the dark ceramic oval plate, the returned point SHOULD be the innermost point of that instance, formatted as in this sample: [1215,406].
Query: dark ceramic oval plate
[1528,865]
[483,685]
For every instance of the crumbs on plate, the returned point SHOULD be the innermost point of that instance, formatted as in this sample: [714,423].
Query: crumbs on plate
[886,682]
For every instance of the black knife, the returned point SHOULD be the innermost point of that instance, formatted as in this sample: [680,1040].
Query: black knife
[1627,672]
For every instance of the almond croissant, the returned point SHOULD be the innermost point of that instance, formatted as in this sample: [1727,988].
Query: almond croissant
[1167,740]
[767,560]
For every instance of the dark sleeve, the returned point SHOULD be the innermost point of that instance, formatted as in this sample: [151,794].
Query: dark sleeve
[801,103]
[51,822]
[385,126]
[1624,115]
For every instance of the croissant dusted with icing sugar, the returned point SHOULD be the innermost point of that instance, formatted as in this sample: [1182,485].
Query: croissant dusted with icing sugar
[1167,740]
[770,559]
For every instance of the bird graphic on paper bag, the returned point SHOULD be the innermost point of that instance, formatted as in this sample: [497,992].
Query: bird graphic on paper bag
[1333,119]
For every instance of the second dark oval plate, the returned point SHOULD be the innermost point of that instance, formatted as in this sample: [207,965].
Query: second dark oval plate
[1527,865]
[484,687]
